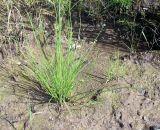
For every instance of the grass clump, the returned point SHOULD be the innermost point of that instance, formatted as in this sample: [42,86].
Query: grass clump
[115,68]
[55,72]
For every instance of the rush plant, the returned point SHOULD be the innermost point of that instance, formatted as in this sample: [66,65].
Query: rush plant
[56,73]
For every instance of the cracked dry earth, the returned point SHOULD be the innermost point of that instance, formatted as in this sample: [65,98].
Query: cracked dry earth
[130,102]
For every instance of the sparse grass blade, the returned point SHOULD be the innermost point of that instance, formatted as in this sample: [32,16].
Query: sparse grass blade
[115,68]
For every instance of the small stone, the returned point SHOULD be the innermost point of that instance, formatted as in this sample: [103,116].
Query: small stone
[154,127]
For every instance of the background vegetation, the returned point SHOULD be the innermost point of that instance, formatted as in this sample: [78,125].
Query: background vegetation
[137,22]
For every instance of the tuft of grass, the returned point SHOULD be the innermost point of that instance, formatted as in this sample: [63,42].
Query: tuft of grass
[55,73]
[115,68]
